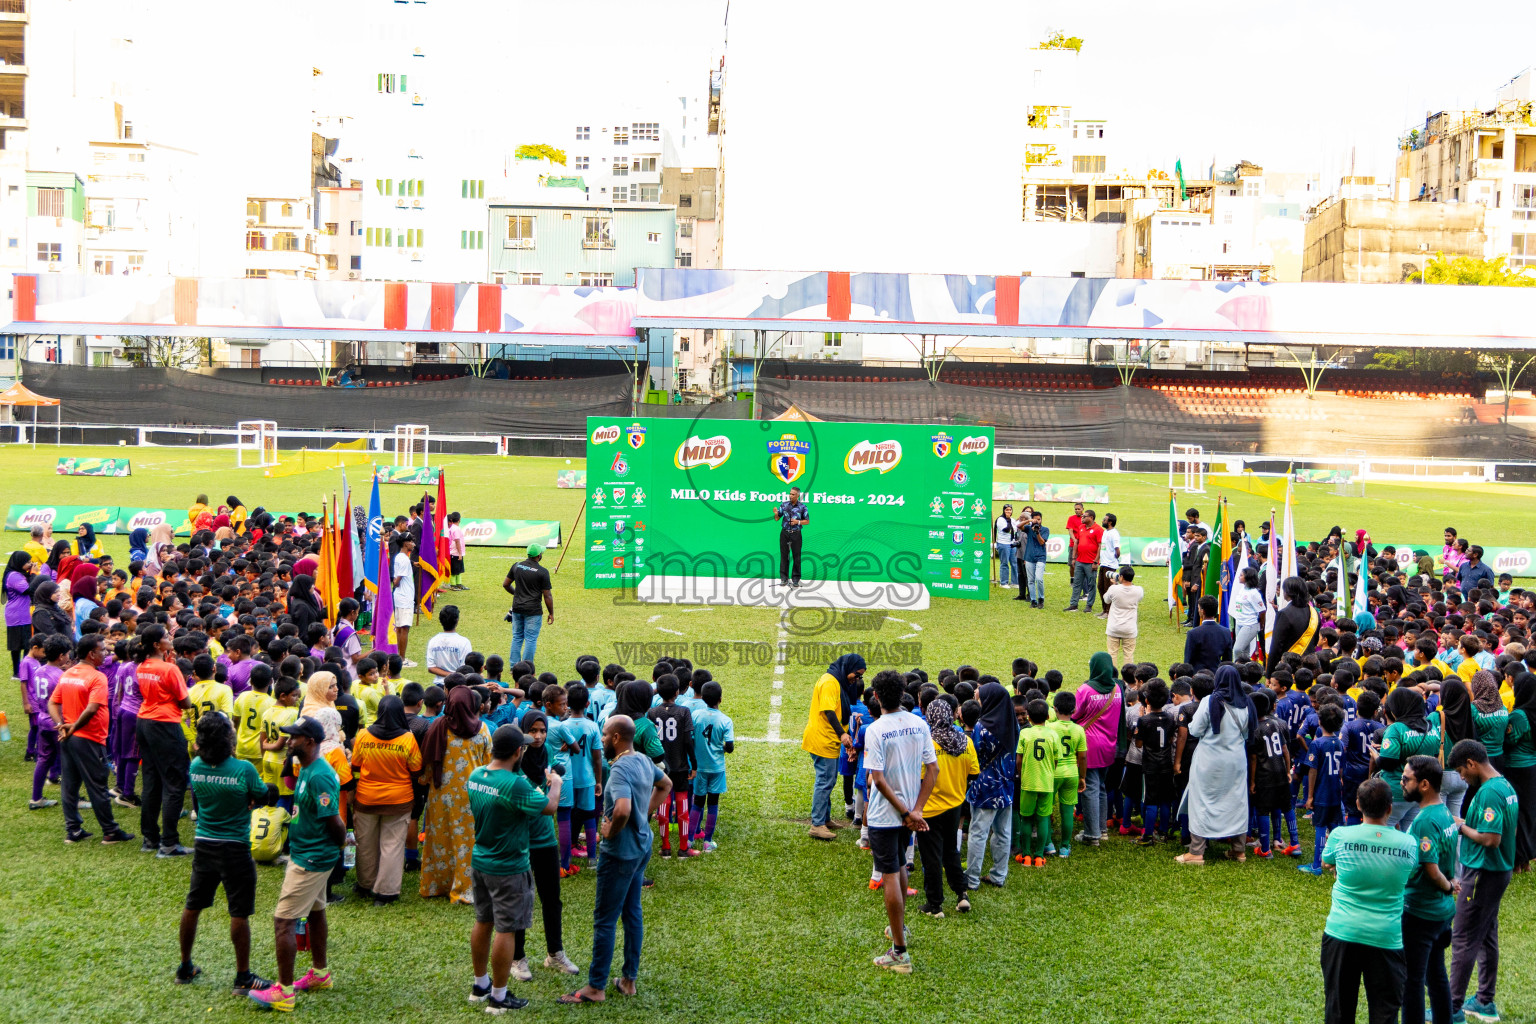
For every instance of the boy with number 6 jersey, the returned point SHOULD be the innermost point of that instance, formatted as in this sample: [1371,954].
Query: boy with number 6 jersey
[1037,750]
[1071,773]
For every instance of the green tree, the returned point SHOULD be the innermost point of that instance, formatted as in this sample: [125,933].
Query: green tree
[1059,40]
[540,151]
[1471,270]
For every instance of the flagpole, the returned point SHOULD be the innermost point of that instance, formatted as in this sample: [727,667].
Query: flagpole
[564,547]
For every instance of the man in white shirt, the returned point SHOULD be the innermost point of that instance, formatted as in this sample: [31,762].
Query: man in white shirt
[901,764]
[403,584]
[1109,561]
[446,651]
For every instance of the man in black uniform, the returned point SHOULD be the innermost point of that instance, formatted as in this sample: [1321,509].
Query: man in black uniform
[792,515]
[674,724]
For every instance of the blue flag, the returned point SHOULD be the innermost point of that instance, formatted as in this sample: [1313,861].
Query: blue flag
[375,537]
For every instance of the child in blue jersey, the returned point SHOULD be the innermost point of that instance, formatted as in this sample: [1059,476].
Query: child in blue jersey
[557,745]
[713,737]
[584,743]
[599,697]
[1324,764]
[689,684]
[858,713]
[860,777]
[1357,738]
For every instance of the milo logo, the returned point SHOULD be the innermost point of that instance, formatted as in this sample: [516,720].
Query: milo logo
[479,531]
[35,517]
[147,519]
[1055,547]
[864,456]
[1155,553]
[605,435]
[974,445]
[1514,561]
[708,451]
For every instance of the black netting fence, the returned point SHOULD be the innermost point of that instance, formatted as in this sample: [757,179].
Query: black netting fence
[464,405]
[1117,419]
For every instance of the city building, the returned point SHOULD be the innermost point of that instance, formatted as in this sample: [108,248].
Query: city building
[573,242]
[339,224]
[55,229]
[14,254]
[1484,157]
[280,237]
[1362,239]
[693,192]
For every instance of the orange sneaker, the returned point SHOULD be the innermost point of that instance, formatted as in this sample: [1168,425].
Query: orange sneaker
[1039,862]
[1020,859]
[874,885]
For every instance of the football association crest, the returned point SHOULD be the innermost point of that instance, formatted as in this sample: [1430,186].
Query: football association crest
[943,444]
[787,457]
[635,435]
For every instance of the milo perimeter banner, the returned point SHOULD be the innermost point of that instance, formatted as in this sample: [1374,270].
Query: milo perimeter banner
[886,502]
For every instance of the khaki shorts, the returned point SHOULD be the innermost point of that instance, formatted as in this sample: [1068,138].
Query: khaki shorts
[303,893]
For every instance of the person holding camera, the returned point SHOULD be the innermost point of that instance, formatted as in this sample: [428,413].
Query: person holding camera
[1004,540]
[1033,534]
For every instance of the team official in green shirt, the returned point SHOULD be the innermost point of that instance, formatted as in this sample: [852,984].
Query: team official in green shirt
[1487,857]
[506,806]
[1363,937]
[1429,903]
[226,788]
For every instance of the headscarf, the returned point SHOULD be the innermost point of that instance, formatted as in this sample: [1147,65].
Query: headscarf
[66,568]
[58,554]
[535,759]
[461,715]
[1456,706]
[1406,705]
[1368,644]
[18,563]
[83,545]
[1485,692]
[941,723]
[1525,695]
[84,586]
[848,691]
[633,698]
[302,589]
[1427,566]
[305,566]
[389,721]
[316,693]
[220,521]
[1101,673]
[138,544]
[997,715]
[1229,693]
[80,570]
[1360,545]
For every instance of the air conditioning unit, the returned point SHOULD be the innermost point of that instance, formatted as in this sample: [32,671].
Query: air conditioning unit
[1162,355]
[117,353]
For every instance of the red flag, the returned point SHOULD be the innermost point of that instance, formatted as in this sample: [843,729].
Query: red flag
[346,580]
[440,519]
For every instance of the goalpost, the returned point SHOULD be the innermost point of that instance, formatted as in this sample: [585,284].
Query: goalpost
[1186,468]
[412,444]
[255,444]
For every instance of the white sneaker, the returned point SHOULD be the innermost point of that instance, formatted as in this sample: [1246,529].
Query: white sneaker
[562,963]
[521,971]
[408,663]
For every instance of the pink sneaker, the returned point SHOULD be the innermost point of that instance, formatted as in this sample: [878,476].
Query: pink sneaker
[272,998]
[313,980]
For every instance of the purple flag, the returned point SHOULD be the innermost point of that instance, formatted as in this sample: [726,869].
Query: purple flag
[384,607]
[426,559]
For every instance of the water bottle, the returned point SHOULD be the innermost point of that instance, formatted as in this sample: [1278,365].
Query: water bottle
[301,934]
[5,728]
[349,852]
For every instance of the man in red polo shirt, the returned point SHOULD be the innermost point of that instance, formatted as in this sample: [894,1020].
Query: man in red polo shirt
[1085,561]
[78,708]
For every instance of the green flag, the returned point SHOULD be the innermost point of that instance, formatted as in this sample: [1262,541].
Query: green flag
[1213,563]
[1178,168]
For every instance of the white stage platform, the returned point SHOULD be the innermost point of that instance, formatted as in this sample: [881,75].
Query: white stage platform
[759,593]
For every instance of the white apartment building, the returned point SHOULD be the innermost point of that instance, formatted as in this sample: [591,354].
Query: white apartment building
[339,222]
[1483,156]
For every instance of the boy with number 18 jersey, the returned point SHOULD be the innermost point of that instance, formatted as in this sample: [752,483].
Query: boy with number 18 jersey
[674,724]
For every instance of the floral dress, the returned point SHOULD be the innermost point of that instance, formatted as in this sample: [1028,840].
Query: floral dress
[449,825]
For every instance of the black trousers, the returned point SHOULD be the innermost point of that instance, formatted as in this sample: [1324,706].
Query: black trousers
[1346,965]
[1424,946]
[163,760]
[85,762]
[545,864]
[939,848]
[789,554]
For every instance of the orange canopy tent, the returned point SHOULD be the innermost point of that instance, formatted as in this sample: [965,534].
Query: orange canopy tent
[19,394]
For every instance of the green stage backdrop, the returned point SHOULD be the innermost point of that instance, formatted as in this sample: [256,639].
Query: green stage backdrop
[887,502]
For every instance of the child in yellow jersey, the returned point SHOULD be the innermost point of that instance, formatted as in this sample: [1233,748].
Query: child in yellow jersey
[1071,765]
[273,743]
[249,707]
[368,690]
[207,694]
